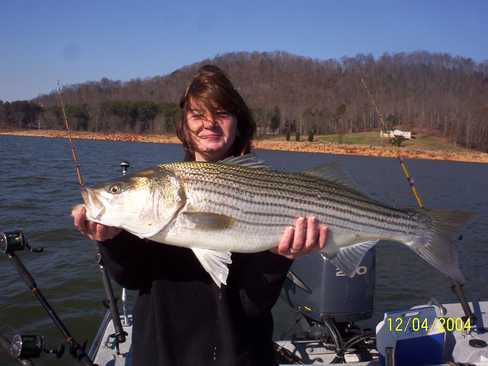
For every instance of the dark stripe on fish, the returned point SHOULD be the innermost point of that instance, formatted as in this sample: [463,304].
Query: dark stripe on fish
[371,224]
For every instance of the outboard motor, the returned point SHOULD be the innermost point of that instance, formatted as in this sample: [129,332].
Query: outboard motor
[319,290]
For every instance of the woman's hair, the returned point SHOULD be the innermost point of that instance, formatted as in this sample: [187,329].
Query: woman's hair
[211,89]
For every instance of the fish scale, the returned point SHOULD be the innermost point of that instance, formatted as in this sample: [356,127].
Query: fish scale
[274,182]
[240,182]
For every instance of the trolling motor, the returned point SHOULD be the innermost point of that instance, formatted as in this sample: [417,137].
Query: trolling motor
[24,347]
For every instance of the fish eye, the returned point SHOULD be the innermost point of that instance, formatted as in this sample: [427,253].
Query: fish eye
[114,188]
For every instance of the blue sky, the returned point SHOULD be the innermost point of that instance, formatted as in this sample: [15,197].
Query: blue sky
[45,41]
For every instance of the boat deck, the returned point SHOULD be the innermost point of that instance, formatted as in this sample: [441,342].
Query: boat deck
[311,352]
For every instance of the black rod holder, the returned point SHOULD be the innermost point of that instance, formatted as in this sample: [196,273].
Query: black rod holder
[119,335]
[458,290]
[76,349]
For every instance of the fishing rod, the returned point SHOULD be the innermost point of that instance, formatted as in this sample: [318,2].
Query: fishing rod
[119,336]
[403,164]
[74,152]
[28,346]
[456,287]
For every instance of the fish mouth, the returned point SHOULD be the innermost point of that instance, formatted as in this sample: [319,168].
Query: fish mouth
[95,208]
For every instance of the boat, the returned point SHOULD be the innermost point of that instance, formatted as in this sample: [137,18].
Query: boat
[430,333]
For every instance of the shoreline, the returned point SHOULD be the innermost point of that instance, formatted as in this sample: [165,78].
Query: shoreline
[268,144]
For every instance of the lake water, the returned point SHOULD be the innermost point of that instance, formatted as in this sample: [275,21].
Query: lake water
[38,189]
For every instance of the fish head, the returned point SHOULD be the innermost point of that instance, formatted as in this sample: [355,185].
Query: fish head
[142,203]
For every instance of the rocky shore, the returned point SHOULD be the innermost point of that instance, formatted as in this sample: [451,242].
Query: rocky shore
[314,147]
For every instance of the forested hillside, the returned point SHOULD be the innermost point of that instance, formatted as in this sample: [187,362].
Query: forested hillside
[436,92]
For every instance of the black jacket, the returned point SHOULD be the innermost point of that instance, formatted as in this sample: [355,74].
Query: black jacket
[182,318]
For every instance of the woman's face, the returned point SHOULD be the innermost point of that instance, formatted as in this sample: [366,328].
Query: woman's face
[212,136]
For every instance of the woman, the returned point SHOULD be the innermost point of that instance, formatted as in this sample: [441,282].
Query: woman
[180,316]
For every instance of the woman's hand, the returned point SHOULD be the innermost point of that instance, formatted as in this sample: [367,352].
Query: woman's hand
[306,236]
[90,229]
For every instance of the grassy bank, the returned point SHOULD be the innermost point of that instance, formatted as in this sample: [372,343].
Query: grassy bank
[424,141]
[362,144]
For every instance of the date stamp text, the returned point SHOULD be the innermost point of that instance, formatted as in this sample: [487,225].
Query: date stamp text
[423,325]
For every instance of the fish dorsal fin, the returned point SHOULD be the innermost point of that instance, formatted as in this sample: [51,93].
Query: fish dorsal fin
[333,172]
[215,263]
[247,160]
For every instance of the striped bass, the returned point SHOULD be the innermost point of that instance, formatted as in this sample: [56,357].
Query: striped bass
[240,205]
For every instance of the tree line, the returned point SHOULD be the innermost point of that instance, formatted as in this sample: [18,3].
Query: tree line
[108,116]
[444,94]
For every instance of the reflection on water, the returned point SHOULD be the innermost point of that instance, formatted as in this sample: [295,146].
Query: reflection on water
[38,189]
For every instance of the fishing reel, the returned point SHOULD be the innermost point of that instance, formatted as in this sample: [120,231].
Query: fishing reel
[29,346]
[14,241]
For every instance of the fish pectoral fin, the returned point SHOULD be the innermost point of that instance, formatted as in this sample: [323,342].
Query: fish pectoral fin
[348,259]
[208,220]
[215,263]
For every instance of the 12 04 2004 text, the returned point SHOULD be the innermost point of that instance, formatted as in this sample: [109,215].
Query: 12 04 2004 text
[423,325]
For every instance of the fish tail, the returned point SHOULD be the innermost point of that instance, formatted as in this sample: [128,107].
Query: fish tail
[436,246]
